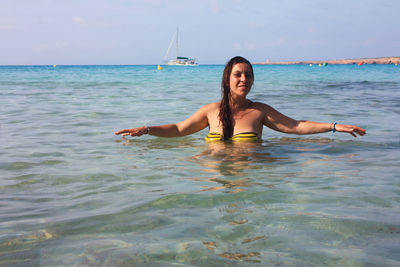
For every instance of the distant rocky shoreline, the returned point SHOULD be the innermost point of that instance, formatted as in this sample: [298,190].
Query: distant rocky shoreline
[359,61]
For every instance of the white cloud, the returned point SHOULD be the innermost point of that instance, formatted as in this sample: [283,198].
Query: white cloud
[8,27]
[156,2]
[214,6]
[251,45]
[279,42]
[79,21]
[248,45]
[237,46]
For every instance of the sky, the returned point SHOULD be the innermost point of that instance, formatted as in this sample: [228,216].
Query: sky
[130,32]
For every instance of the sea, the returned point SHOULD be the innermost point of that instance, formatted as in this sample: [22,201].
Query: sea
[74,194]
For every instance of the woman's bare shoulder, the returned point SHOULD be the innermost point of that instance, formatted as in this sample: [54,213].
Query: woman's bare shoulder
[211,107]
[262,106]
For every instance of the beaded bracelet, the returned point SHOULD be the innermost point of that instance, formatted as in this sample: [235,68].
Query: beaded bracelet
[147,129]
[333,127]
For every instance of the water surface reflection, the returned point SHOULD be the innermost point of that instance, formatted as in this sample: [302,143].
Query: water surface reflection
[231,164]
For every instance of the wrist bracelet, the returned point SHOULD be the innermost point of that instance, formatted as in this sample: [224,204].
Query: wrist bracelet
[147,130]
[333,127]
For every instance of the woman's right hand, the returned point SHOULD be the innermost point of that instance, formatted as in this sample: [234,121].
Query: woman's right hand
[133,131]
[351,129]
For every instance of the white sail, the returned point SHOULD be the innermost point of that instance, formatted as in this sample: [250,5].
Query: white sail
[179,60]
[170,45]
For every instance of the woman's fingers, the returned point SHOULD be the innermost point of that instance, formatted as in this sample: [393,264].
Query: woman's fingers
[131,132]
[122,132]
[353,130]
[360,131]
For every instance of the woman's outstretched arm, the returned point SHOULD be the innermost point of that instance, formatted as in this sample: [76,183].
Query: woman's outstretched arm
[279,122]
[198,121]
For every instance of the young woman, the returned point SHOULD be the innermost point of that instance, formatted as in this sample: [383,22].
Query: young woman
[236,117]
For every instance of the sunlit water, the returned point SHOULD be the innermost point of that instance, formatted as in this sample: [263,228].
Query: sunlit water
[72,193]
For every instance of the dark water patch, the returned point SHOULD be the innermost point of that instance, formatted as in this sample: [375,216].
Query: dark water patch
[111,223]
[97,179]
[47,154]
[23,177]
[51,162]
[63,180]
[179,201]
[26,165]
[377,201]
[20,257]
[22,184]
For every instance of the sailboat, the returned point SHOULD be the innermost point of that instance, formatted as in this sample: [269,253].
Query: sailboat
[179,61]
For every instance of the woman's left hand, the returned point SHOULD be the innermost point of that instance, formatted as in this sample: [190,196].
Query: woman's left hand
[133,131]
[351,129]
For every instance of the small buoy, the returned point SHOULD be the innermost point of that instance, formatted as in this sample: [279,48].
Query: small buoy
[159,67]
[325,64]
[395,64]
[319,65]
[360,63]
[54,66]
[310,65]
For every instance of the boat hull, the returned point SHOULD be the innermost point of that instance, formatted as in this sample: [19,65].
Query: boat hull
[189,62]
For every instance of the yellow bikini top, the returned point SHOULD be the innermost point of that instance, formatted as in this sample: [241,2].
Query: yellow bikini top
[250,136]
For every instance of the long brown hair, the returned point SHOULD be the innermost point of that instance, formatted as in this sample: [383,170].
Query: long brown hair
[225,114]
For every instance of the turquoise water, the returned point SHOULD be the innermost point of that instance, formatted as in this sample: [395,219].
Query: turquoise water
[72,193]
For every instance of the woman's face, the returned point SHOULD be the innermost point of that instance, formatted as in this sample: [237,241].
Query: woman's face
[241,79]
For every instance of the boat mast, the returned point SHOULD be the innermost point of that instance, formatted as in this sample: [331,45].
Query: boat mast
[177,51]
